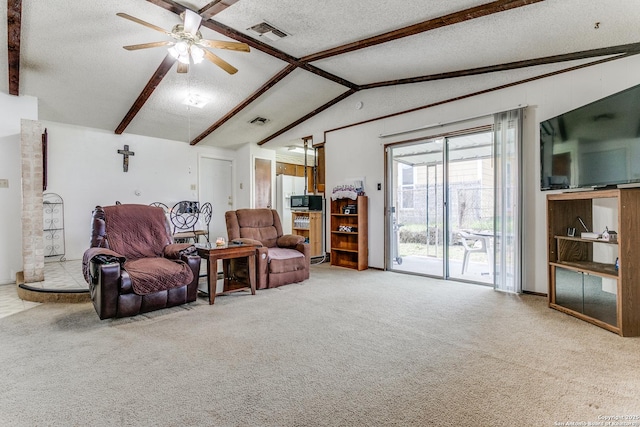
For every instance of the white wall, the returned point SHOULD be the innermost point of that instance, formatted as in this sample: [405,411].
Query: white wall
[545,98]
[13,110]
[86,170]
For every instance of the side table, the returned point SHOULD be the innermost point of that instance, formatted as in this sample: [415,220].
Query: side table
[213,253]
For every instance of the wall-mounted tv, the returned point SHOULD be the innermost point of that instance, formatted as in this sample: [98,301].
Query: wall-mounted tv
[596,145]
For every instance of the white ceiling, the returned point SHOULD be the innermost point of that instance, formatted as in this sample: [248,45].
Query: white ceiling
[72,58]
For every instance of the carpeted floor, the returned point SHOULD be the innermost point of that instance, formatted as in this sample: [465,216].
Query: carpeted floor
[344,348]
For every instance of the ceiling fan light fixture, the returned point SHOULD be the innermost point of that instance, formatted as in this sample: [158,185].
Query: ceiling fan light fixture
[197,54]
[182,47]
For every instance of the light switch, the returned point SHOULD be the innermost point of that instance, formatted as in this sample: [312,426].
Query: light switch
[4,183]
[193,187]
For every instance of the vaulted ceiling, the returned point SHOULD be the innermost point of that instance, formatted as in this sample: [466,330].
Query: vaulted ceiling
[69,54]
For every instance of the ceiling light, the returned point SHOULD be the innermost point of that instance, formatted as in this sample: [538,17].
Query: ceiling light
[195,100]
[183,50]
[295,149]
[197,54]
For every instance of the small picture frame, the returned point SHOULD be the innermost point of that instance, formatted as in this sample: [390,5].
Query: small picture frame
[571,231]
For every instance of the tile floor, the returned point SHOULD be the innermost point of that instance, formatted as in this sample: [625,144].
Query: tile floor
[57,275]
[10,303]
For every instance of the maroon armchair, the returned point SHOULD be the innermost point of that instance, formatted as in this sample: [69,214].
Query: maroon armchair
[280,259]
[133,266]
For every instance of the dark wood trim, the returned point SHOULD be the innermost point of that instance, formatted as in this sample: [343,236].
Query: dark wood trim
[169,5]
[269,50]
[255,95]
[155,80]
[214,8]
[431,24]
[613,50]
[308,116]
[317,71]
[481,92]
[45,155]
[14,22]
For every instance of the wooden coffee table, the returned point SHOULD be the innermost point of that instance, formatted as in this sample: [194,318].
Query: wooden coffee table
[213,253]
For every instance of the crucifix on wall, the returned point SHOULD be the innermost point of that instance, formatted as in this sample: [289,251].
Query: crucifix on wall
[125,160]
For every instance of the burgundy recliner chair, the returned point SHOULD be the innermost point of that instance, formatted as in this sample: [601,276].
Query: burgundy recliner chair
[133,266]
[280,258]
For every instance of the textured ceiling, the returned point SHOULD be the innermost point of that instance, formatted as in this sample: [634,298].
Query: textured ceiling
[72,59]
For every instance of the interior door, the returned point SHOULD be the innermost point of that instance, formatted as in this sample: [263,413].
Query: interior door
[262,184]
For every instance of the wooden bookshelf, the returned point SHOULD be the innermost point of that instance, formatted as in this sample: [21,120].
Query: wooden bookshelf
[349,233]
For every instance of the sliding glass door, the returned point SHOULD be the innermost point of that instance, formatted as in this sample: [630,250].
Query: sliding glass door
[417,209]
[442,207]
[454,205]
[471,196]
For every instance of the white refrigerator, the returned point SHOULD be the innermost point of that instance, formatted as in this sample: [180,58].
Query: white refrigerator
[287,186]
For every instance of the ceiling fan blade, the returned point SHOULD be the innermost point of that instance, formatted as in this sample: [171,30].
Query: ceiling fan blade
[219,44]
[191,21]
[183,68]
[220,62]
[141,22]
[147,45]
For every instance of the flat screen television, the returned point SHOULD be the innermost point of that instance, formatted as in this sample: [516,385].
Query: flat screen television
[596,145]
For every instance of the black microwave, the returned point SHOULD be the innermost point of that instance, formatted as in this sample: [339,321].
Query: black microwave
[312,203]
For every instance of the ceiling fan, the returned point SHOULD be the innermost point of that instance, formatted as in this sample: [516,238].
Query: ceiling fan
[187,45]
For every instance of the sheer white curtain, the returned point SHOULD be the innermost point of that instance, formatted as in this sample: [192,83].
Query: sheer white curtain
[508,200]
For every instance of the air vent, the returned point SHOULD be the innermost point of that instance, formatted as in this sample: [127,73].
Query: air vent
[259,121]
[268,31]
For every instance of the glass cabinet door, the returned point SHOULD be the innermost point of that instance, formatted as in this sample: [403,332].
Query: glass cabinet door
[585,293]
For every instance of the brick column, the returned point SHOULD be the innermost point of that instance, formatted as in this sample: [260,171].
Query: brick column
[32,219]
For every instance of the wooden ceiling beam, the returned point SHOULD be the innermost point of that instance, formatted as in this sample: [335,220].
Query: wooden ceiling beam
[214,8]
[14,22]
[169,5]
[308,116]
[619,51]
[255,95]
[585,54]
[431,24]
[304,63]
[269,50]
[155,80]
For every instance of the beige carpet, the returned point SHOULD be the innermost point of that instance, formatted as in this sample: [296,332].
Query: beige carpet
[344,348]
